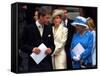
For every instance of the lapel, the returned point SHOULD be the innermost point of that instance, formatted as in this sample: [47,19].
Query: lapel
[36,30]
[57,32]
[69,23]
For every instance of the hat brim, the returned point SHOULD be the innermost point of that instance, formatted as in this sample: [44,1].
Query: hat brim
[57,13]
[75,23]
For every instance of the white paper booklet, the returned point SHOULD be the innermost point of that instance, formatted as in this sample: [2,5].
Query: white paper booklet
[78,49]
[38,58]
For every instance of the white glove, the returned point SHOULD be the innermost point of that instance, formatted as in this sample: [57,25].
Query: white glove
[76,58]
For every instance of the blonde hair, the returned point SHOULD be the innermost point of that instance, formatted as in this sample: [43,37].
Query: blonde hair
[90,23]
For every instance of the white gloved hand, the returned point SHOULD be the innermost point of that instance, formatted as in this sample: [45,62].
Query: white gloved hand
[76,58]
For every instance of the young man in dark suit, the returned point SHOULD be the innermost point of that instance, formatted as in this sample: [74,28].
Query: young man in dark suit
[35,34]
[71,30]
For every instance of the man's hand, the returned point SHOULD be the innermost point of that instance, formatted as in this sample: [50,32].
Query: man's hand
[36,50]
[48,51]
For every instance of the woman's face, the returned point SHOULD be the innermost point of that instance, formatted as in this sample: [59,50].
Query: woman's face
[57,20]
[36,15]
[79,28]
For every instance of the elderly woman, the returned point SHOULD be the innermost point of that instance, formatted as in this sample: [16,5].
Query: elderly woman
[60,37]
[81,45]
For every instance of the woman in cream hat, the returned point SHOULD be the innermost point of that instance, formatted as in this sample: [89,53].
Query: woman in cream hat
[81,45]
[60,37]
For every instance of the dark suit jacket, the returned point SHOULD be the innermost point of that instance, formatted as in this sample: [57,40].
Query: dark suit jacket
[31,38]
[71,31]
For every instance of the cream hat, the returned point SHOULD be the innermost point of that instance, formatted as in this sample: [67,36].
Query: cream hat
[57,12]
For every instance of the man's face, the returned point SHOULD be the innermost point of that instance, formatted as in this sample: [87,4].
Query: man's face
[36,15]
[45,19]
[65,13]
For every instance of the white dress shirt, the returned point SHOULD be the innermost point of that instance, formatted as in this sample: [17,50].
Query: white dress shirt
[66,21]
[40,27]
